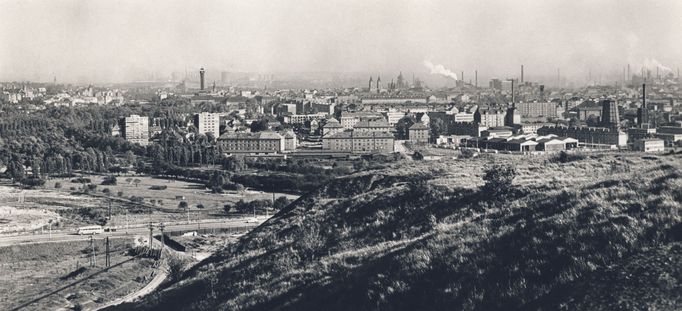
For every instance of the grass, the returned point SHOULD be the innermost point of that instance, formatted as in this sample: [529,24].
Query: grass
[31,271]
[193,193]
[424,236]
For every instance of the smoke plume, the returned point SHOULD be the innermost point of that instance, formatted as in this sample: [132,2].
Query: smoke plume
[440,70]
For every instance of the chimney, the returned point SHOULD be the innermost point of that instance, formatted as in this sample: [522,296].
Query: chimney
[476,74]
[512,91]
[521,73]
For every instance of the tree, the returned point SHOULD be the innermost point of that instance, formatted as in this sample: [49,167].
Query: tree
[498,178]
[136,182]
[129,180]
[438,128]
[182,204]
[259,125]
[281,203]
[403,126]
[119,194]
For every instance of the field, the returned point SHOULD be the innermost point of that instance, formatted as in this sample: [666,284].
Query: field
[30,210]
[50,276]
[169,198]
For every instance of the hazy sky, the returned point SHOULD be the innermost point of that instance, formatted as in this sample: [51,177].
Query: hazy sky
[107,40]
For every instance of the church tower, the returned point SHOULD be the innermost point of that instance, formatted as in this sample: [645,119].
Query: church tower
[378,84]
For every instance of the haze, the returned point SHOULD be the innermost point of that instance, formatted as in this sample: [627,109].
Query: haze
[117,41]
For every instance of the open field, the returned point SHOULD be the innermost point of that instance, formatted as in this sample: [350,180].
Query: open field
[169,198]
[30,210]
[54,275]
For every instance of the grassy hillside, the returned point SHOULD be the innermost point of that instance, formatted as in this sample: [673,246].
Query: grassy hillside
[422,236]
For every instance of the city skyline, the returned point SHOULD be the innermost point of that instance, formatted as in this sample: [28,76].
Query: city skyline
[125,41]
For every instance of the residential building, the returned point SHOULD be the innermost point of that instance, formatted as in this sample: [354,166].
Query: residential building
[418,133]
[207,122]
[252,143]
[331,127]
[489,117]
[359,142]
[136,129]
[535,109]
[372,125]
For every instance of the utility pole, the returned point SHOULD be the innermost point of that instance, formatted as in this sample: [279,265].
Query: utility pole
[94,253]
[107,259]
[150,235]
[163,242]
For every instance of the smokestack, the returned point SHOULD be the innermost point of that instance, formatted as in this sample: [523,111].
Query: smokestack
[658,76]
[512,91]
[462,78]
[201,77]
[521,73]
[558,78]
[643,95]
[629,77]
[476,74]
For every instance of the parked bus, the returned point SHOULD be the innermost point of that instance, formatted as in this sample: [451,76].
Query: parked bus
[90,230]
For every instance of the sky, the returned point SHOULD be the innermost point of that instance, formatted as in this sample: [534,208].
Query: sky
[123,40]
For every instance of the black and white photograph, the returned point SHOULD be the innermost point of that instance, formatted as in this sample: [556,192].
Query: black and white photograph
[340,155]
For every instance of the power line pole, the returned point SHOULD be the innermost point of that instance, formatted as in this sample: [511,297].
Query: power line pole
[94,253]
[163,242]
[107,258]
[150,235]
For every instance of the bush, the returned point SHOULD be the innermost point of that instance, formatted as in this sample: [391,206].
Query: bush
[81,180]
[565,157]
[200,205]
[109,180]
[498,178]
[33,182]
[106,191]
[119,194]
[158,187]
[57,185]
[182,204]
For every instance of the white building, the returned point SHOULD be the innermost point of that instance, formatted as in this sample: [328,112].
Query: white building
[207,122]
[136,129]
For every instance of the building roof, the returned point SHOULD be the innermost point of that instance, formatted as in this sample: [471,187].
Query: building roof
[371,123]
[245,135]
[418,126]
[361,134]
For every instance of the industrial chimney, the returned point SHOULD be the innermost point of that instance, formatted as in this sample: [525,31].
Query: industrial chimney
[201,77]
[521,73]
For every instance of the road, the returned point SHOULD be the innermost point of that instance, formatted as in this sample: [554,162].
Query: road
[122,232]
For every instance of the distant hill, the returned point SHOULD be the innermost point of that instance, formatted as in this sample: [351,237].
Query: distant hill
[599,233]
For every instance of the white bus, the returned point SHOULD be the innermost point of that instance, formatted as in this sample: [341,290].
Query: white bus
[90,230]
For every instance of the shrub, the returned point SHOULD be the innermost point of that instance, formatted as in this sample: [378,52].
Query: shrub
[120,193]
[182,204]
[565,157]
[81,180]
[498,178]
[57,185]
[158,187]
[467,153]
[109,180]
[33,182]
[106,191]
[200,205]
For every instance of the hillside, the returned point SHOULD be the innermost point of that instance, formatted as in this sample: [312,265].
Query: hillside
[423,236]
